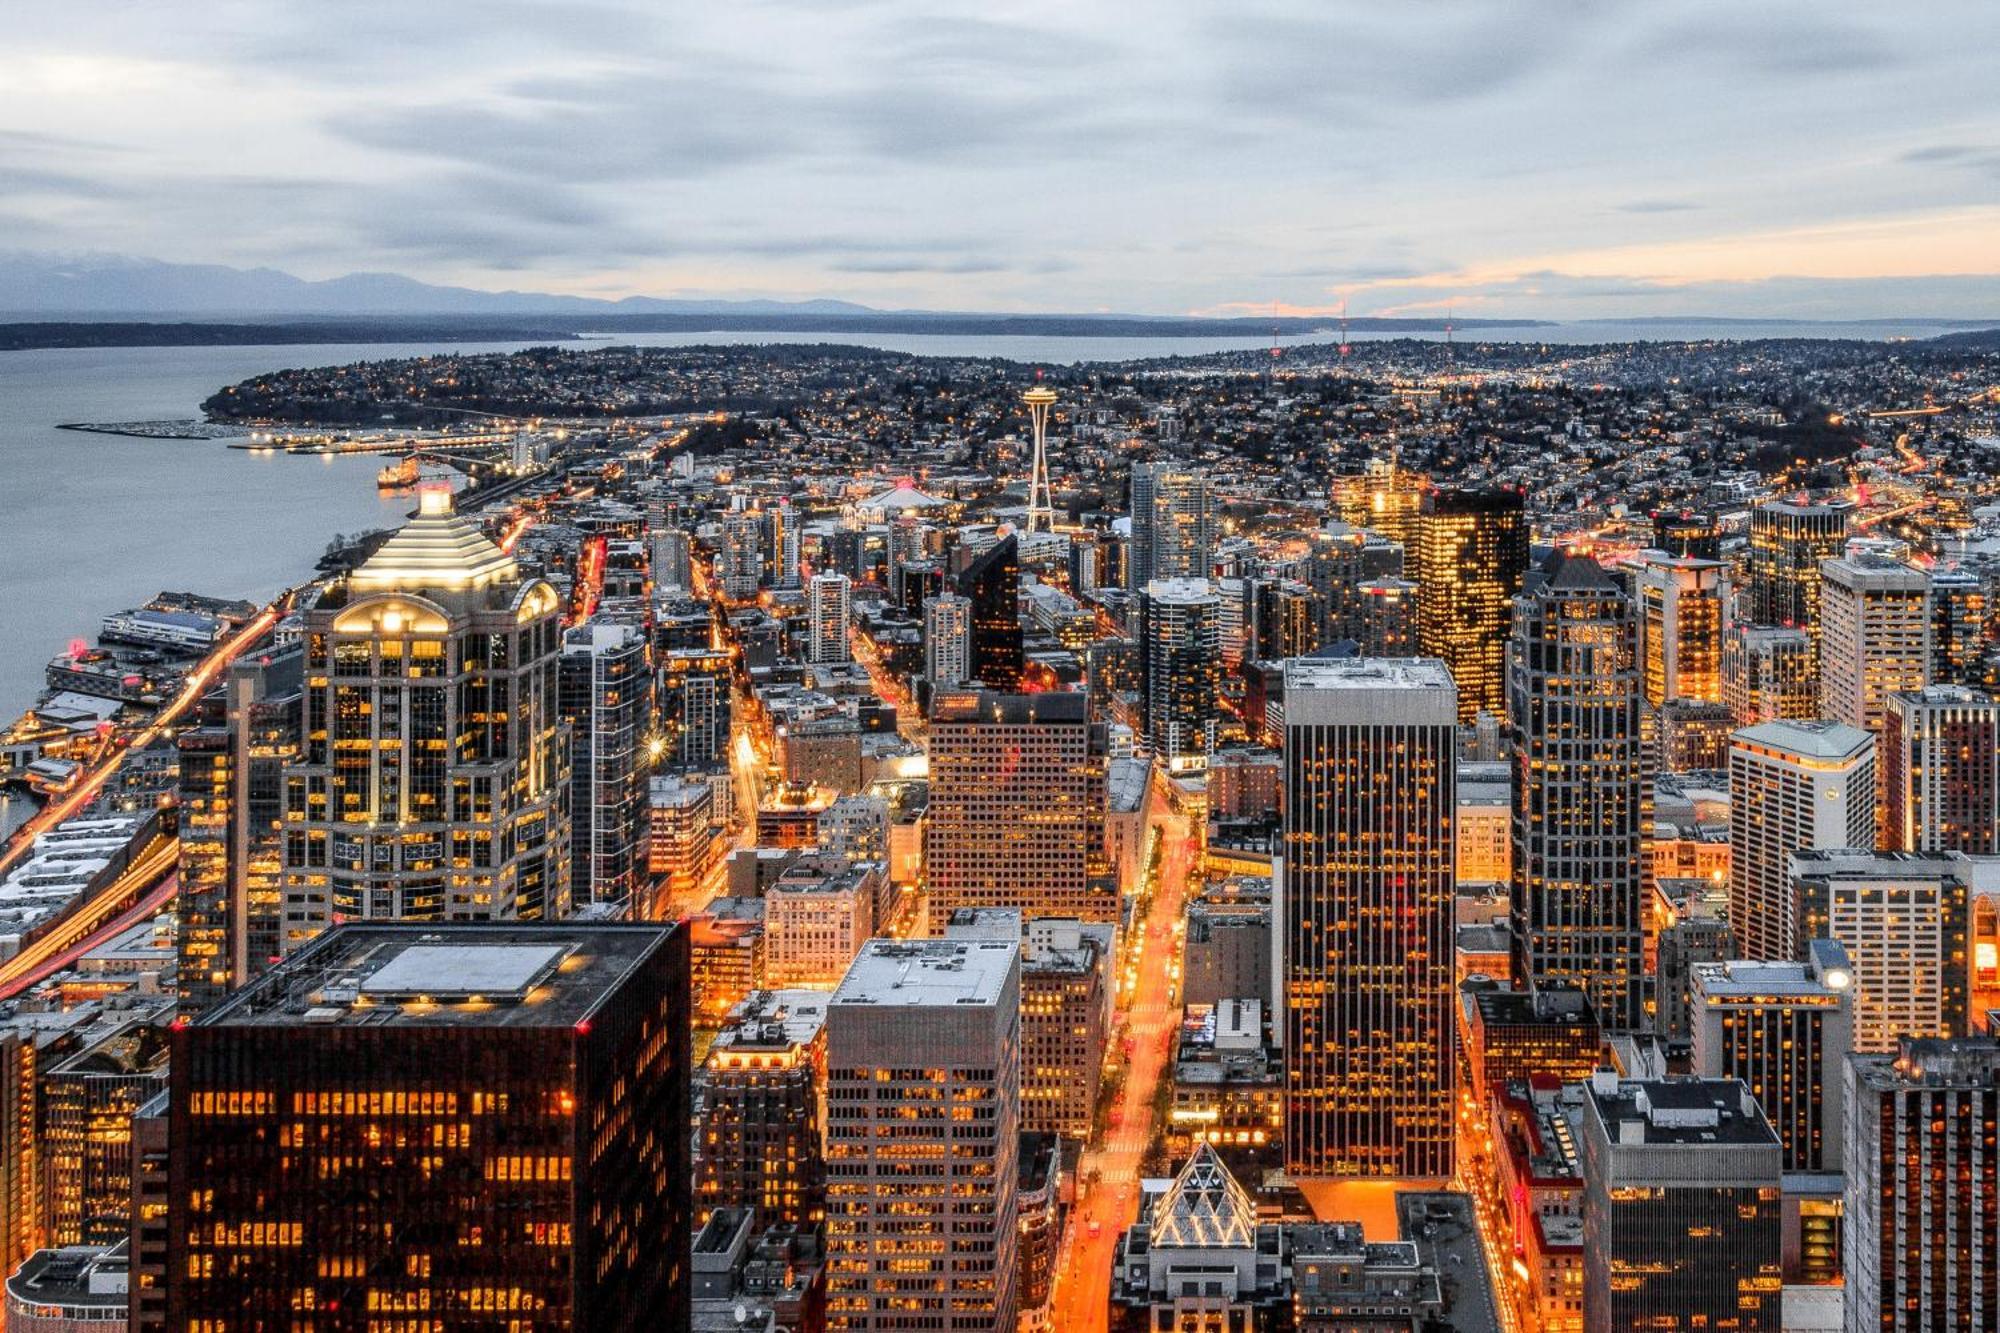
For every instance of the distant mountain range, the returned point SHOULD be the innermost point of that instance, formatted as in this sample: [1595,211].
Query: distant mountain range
[99,286]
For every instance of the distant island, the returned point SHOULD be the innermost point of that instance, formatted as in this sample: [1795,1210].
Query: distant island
[571,328]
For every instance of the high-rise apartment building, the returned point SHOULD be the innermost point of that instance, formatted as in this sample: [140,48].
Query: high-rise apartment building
[1904,919]
[1940,756]
[739,567]
[1016,816]
[1173,524]
[1768,674]
[1786,1030]
[606,696]
[828,611]
[947,641]
[1680,626]
[1580,817]
[1788,540]
[232,807]
[432,781]
[1793,786]
[1471,560]
[1875,636]
[1368,917]
[760,1121]
[459,1125]
[1681,1207]
[923,1075]
[1923,1188]
[1340,561]
[1960,609]
[693,689]
[992,583]
[1179,642]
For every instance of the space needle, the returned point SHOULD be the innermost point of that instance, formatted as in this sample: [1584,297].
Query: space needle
[1041,508]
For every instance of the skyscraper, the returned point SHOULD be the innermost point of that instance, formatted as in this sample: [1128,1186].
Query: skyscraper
[471,1123]
[923,1072]
[1369,983]
[1016,815]
[739,566]
[759,1137]
[1681,1208]
[1940,755]
[1385,497]
[1959,610]
[947,641]
[1179,631]
[828,612]
[694,703]
[992,583]
[1792,786]
[1579,789]
[1173,524]
[1786,1030]
[607,699]
[1875,636]
[1904,919]
[1472,557]
[1680,627]
[1768,674]
[1923,1188]
[232,806]
[1788,540]
[433,779]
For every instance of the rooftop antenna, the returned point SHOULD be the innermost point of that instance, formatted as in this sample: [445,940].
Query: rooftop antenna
[1449,357]
[1041,506]
[1345,348]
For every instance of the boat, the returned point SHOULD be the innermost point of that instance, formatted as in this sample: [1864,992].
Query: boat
[398,476]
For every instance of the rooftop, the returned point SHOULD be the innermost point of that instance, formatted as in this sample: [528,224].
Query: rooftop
[1814,738]
[512,975]
[933,973]
[439,548]
[1679,1112]
[1932,1062]
[1365,673]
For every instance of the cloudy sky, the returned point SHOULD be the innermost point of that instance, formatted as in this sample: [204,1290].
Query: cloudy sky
[1591,157]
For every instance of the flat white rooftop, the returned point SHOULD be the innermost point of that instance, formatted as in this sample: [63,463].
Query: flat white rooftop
[1365,673]
[492,970]
[935,973]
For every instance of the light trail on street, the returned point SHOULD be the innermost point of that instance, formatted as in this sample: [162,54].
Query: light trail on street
[192,688]
[1080,1302]
[151,876]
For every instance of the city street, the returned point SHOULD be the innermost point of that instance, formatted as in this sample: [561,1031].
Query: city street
[1108,1175]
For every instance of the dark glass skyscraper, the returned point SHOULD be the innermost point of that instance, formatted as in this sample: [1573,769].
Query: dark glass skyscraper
[453,1127]
[1471,559]
[1573,694]
[992,583]
[1788,540]
[1369,983]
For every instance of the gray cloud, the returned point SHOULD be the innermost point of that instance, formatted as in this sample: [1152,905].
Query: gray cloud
[949,154]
